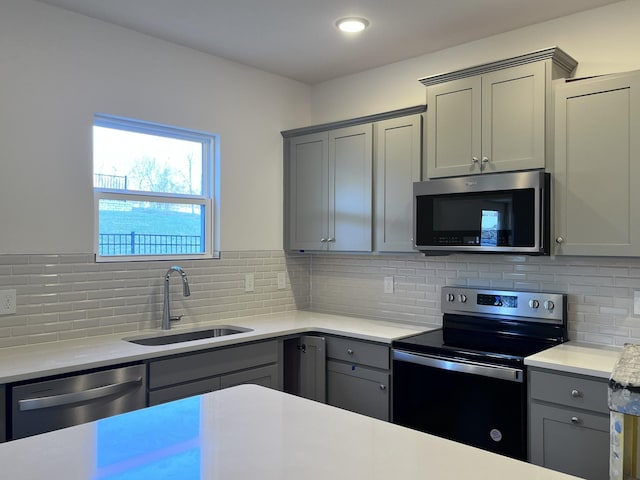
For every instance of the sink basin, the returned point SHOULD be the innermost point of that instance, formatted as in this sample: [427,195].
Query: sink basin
[170,338]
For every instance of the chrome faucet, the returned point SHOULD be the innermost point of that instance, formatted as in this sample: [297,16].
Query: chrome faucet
[166,312]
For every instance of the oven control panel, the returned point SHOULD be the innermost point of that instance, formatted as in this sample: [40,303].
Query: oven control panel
[536,306]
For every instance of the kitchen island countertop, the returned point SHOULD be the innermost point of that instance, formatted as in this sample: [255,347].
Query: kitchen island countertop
[249,432]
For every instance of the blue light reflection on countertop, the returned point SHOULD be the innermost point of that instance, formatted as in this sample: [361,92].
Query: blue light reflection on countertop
[153,443]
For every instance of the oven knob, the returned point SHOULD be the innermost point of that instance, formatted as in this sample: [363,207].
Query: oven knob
[462,298]
[451,297]
[549,305]
[533,303]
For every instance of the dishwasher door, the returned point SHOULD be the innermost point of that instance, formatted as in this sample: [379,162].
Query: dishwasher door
[40,407]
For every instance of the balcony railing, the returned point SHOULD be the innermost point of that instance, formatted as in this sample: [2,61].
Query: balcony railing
[116,182]
[148,244]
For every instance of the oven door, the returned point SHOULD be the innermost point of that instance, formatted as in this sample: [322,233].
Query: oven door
[482,405]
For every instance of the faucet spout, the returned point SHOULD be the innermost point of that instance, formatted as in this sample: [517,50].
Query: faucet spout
[166,311]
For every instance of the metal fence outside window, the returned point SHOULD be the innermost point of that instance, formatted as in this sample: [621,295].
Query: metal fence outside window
[147,244]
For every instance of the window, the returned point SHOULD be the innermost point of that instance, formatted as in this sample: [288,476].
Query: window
[154,191]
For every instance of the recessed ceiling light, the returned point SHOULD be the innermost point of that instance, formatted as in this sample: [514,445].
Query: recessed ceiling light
[352,24]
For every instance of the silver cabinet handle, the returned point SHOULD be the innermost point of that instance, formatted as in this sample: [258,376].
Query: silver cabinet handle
[350,351]
[323,240]
[575,420]
[559,240]
[485,159]
[76,397]
[576,393]
[474,368]
[383,386]
[474,160]
[331,239]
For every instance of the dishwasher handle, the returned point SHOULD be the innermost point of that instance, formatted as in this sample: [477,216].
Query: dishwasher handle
[77,397]
[443,363]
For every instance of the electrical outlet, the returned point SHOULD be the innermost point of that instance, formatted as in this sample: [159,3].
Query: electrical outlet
[636,302]
[388,284]
[248,282]
[7,302]
[282,282]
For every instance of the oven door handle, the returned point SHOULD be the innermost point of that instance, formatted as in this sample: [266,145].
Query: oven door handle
[443,363]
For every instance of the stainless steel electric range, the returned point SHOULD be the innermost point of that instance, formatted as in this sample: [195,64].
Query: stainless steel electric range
[467,381]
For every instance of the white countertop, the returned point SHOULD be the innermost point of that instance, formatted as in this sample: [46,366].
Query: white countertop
[250,432]
[28,362]
[580,358]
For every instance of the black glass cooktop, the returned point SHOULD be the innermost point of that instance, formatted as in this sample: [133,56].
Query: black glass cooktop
[484,340]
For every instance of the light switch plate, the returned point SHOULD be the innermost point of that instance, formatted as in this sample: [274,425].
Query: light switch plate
[248,282]
[282,282]
[388,284]
[636,302]
[7,302]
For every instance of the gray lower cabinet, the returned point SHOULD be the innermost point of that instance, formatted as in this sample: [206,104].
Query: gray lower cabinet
[305,367]
[569,423]
[182,376]
[358,376]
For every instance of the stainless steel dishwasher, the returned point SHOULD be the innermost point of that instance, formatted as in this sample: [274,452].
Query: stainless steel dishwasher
[60,402]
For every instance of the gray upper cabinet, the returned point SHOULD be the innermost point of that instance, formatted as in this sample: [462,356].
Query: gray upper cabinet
[348,184]
[330,190]
[492,118]
[397,164]
[308,191]
[596,166]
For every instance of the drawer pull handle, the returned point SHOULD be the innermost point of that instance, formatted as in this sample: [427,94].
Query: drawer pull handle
[350,351]
[383,386]
[575,420]
[576,393]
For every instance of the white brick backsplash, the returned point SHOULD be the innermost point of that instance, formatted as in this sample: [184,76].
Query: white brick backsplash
[61,297]
[600,290]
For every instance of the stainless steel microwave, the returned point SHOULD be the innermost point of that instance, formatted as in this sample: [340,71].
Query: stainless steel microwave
[489,213]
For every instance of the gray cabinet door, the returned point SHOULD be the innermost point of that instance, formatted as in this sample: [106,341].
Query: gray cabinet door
[308,191]
[330,190]
[597,172]
[397,164]
[454,128]
[489,123]
[305,367]
[358,389]
[350,196]
[513,118]
[570,441]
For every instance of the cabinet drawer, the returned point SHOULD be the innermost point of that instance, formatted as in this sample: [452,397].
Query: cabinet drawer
[358,389]
[177,392]
[572,391]
[355,351]
[196,366]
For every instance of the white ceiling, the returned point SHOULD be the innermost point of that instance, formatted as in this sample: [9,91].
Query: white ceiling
[298,38]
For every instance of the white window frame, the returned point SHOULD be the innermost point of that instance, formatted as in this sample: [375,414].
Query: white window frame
[210,188]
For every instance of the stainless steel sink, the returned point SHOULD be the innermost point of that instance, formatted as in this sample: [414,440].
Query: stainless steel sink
[168,339]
